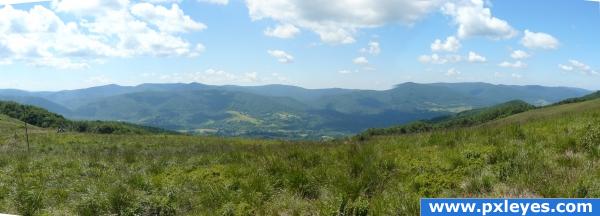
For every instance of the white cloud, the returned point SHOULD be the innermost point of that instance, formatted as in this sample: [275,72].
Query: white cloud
[217,77]
[338,21]
[282,31]
[474,57]
[105,29]
[450,45]
[60,63]
[219,2]
[578,66]
[566,67]
[474,19]
[373,48]
[12,2]
[516,76]
[437,59]
[361,61]
[39,37]
[166,20]
[519,54]
[539,40]
[89,7]
[281,56]
[517,64]
[453,72]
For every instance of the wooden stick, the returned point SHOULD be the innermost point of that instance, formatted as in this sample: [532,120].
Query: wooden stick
[27,136]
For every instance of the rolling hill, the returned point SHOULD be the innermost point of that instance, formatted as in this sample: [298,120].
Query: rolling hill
[551,152]
[279,111]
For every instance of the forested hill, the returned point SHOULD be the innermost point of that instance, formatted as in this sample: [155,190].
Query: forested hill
[42,118]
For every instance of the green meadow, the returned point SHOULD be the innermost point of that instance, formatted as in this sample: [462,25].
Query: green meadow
[547,152]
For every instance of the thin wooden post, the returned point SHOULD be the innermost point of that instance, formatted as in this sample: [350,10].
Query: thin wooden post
[27,136]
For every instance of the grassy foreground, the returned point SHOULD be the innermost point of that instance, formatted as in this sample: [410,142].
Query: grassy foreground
[550,152]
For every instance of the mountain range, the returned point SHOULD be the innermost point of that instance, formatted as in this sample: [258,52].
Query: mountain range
[279,111]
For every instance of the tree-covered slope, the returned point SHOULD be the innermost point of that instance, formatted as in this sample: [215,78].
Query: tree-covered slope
[32,115]
[43,118]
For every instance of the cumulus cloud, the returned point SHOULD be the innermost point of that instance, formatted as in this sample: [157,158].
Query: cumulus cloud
[566,67]
[517,64]
[450,45]
[282,31]
[373,48]
[338,21]
[453,72]
[11,2]
[474,19]
[171,20]
[89,7]
[361,61]
[39,37]
[519,54]
[437,59]
[578,66]
[539,40]
[474,57]
[106,29]
[281,56]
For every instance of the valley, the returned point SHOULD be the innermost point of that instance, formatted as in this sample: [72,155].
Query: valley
[279,111]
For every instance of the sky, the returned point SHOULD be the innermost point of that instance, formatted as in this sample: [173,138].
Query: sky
[360,44]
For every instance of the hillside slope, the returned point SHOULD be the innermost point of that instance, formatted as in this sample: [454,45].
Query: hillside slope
[547,152]
[462,119]
[9,124]
[563,110]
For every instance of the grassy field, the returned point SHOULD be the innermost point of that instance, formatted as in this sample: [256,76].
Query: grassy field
[550,152]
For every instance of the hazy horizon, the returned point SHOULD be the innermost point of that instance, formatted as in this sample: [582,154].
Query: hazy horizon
[292,85]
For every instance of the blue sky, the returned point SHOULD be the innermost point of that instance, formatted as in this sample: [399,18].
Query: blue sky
[366,44]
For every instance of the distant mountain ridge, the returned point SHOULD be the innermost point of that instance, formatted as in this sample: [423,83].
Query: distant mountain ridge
[279,110]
